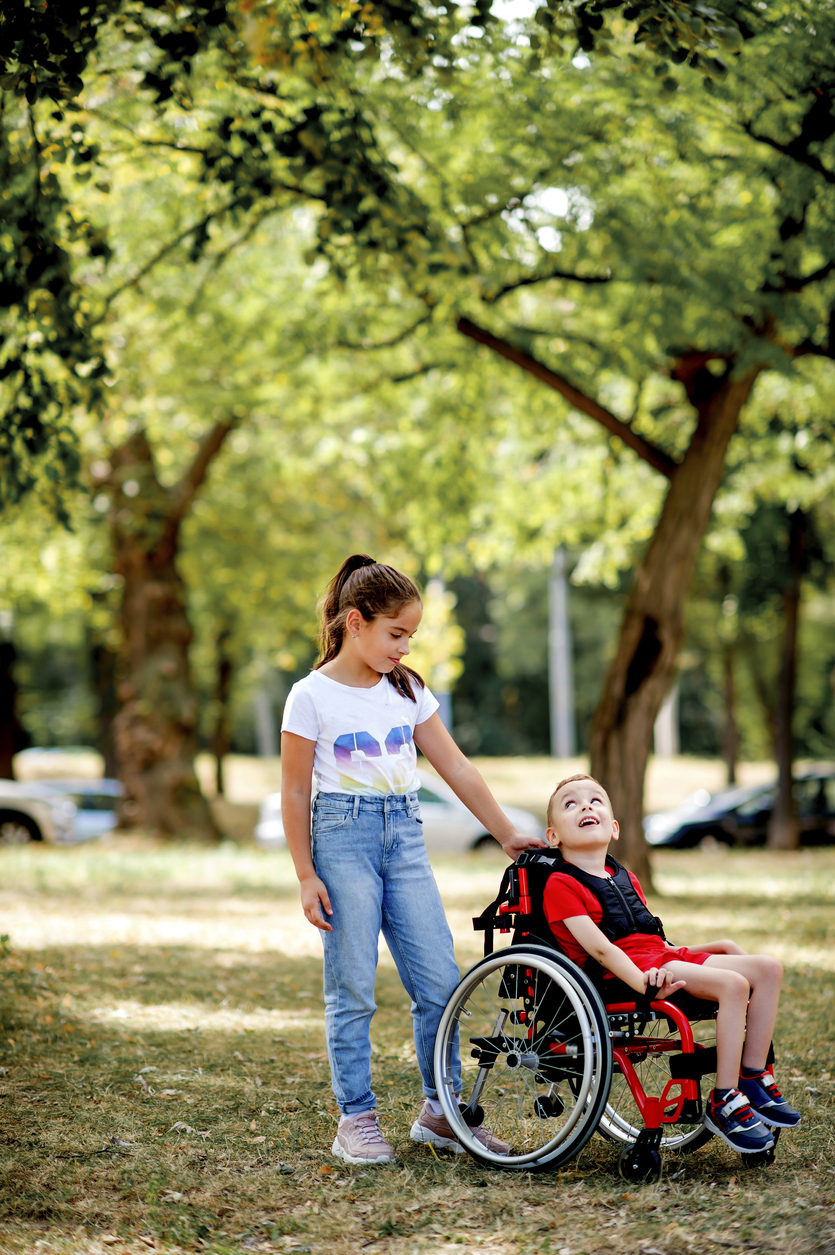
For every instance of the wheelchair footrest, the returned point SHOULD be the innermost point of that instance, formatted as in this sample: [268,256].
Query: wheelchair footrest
[693,1066]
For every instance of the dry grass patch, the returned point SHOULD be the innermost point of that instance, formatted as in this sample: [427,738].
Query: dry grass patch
[165,1085]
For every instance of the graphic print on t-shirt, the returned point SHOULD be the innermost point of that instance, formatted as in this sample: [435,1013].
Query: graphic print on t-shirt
[394,768]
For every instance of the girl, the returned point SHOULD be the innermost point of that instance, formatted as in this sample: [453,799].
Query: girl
[354,723]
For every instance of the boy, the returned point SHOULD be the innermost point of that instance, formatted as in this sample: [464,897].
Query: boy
[585,904]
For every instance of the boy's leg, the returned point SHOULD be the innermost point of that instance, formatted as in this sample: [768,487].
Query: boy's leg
[764,976]
[730,989]
[727,1113]
[756,1081]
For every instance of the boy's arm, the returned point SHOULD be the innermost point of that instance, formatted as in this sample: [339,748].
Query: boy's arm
[596,944]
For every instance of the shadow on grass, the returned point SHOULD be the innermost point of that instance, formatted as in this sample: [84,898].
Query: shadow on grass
[179,1096]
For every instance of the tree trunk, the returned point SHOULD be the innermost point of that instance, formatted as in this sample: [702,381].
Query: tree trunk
[730,732]
[155,729]
[652,629]
[221,738]
[103,663]
[783,828]
[12,736]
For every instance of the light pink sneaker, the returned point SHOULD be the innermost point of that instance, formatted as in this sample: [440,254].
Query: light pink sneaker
[436,1129]
[359,1140]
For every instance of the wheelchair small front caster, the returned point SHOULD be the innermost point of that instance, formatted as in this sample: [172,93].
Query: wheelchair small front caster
[640,1162]
[548,1107]
[473,1117]
[762,1158]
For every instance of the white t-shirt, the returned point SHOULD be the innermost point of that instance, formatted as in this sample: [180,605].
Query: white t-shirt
[363,736]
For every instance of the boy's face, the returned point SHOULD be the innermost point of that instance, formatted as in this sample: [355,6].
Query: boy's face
[581,817]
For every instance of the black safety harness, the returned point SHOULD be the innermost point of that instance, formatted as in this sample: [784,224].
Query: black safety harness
[519,904]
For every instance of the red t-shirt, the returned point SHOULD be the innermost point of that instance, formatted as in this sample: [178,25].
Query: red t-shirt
[565,897]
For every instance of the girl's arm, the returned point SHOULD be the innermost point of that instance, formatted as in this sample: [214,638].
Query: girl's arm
[433,740]
[595,943]
[296,775]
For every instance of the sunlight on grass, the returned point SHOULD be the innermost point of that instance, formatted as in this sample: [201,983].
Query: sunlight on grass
[164,1082]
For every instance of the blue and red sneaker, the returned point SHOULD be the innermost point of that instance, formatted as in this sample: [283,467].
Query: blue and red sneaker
[767,1101]
[731,1118]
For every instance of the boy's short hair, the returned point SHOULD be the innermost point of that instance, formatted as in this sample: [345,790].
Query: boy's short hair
[570,780]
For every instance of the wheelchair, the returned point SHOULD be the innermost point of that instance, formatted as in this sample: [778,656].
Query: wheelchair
[550,1056]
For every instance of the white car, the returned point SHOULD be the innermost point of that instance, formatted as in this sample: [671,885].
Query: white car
[35,812]
[447,824]
[96,804]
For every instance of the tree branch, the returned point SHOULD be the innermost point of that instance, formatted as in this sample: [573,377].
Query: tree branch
[182,494]
[796,283]
[657,458]
[384,344]
[793,151]
[590,280]
[163,252]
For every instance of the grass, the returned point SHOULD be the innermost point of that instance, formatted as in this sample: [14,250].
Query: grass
[164,1083]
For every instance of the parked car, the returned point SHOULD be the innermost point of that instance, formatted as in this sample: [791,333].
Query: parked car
[447,824]
[740,816]
[95,803]
[35,812]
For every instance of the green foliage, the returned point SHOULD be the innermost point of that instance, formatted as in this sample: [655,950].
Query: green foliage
[48,363]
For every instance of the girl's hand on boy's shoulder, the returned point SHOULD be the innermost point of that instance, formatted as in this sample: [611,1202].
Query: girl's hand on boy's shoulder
[316,903]
[517,843]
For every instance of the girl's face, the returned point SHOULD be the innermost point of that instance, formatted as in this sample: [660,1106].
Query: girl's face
[384,642]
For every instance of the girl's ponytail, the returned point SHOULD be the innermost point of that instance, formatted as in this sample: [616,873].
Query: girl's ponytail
[375,590]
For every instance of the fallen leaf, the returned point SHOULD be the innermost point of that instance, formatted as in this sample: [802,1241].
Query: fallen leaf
[140,1080]
[172,1196]
[254,1141]
[324,1170]
[110,1239]
[181,1127]
[169,1093]
[236,1054]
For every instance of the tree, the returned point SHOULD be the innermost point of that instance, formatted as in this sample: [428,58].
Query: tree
[772,309]
[297,127]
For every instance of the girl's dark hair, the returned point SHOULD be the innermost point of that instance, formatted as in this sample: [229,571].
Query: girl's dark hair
[377,591]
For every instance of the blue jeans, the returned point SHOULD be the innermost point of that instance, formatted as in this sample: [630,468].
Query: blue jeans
[370,853]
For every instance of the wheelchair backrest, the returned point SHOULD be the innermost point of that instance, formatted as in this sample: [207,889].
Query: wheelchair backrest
[518,907]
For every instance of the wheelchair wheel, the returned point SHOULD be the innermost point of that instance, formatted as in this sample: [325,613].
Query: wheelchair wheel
[622,1121]
[537,1059]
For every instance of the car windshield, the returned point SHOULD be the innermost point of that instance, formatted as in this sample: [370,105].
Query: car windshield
[759,802]
[94,801]
[426,795]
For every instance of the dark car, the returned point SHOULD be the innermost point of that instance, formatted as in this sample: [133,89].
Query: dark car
[740,816]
